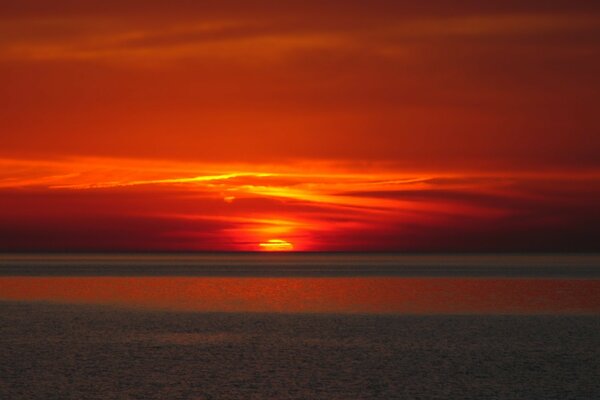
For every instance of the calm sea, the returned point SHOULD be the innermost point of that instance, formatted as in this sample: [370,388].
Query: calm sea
[299,326]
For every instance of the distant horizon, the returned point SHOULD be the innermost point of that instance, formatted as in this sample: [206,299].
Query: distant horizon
[288,252]
[301,265]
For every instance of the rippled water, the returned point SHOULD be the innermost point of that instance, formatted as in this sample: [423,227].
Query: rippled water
[229,327]
[83,352]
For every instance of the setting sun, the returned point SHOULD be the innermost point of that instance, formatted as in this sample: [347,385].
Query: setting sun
[276,245]
[145,126]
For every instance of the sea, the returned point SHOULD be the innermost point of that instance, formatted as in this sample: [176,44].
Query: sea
[299,326]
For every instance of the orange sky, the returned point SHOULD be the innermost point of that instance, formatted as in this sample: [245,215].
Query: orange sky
[339,125]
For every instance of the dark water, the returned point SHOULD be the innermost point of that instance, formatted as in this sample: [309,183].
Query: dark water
[301,265]
[82,352]
[299,327]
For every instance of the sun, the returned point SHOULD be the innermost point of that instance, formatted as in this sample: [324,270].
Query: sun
[276,245]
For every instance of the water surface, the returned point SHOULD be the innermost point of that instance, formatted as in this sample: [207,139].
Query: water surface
[299,326]
[330,295]
[302,264]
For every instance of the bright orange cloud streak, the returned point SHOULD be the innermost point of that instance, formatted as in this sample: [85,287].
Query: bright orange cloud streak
[276,245]
[204,207]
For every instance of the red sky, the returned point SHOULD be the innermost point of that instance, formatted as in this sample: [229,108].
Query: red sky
[338,125]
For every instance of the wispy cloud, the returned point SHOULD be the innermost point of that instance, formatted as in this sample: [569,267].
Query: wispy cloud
[174,205]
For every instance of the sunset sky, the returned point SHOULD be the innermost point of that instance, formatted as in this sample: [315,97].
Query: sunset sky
[235,125]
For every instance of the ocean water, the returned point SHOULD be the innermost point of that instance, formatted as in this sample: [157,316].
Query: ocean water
[302,265]
[83,352]
[414,327]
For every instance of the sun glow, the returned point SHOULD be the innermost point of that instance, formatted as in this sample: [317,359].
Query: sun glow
[276,245]
[170,205]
